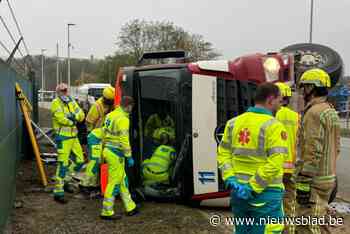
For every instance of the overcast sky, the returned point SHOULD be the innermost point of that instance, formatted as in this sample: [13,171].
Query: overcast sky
[234,27]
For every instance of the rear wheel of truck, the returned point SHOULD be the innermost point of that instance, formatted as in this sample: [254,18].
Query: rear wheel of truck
[316,56]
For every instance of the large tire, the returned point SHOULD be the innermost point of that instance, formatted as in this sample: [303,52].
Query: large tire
[320,56]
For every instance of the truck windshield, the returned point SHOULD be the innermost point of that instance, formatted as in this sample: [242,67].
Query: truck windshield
[95,92]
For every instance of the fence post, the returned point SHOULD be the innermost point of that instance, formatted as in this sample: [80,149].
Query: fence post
[31,76]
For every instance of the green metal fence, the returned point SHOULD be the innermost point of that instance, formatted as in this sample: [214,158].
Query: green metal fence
[12,144]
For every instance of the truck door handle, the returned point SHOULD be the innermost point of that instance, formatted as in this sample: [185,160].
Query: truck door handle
[195,135]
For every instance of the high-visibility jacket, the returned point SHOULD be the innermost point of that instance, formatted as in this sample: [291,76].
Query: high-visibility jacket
[95,137]
[291,121]
[161,159]
[96,115]
[154,122]
[253,149]
[63,126]
[116,132]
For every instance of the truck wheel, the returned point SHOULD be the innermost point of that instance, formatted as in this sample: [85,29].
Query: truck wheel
[315,55]
[334,192]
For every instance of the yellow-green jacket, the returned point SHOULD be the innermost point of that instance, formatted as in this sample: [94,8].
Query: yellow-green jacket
[116,132]
[253,149]
[291,121]
[96,115]
[61,124]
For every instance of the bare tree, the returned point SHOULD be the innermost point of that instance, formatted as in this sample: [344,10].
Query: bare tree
[138,36]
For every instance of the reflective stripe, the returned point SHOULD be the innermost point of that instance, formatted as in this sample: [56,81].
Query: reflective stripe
[226,166]
[108,199]
[246,152]
[72,129]
[288,122]
[230,131]
[118,133]
[244,177]
[262,131]
[260,181]
[113,145]
[277,150]
[154,164]
[225,145]
[107,207]
[288,165]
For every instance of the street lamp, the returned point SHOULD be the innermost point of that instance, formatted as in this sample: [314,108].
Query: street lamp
[42,70]
[69,45]
[311,19]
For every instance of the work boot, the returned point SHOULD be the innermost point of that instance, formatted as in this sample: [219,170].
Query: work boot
[132,212]
[111,217]
[69,188]
[60,199]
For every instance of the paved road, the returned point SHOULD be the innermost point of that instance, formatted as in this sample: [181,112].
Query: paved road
[343,170]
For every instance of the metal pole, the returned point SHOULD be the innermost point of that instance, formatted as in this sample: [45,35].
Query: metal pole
[42,70]
[311,20]
[68,62]
[57,66]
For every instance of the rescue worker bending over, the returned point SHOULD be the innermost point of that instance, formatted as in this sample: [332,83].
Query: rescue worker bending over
[157,169]
[250,157]
[89,180]
[290,120]
[159,121]
[100,109]
[65,114]
[116,151]
[320,147]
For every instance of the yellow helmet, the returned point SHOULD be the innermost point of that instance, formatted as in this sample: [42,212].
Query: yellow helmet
[285,90]
[108,93]
[317,77]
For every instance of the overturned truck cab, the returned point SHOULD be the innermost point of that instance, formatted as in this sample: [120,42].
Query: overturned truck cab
[198,99]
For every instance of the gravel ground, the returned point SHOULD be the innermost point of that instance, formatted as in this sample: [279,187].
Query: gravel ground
[38,213]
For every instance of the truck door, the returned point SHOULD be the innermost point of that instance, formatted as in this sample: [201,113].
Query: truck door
[204,121]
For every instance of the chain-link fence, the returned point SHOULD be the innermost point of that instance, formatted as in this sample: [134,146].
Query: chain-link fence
[13,144]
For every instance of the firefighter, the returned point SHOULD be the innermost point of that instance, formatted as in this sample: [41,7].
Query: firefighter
[117,152]
[320,147]
[100,109]
[65,114]
[290,120]
[89,181]
[157,168]
[250,158]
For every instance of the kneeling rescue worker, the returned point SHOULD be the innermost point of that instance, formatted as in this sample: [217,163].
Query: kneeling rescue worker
[116,151]
[65,114]
[89,181]
[250,157]
[157,169]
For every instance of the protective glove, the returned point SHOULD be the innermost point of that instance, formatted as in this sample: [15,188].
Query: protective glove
[303,193]
[244,191]
[71,117]
[130,161]
[231,183]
